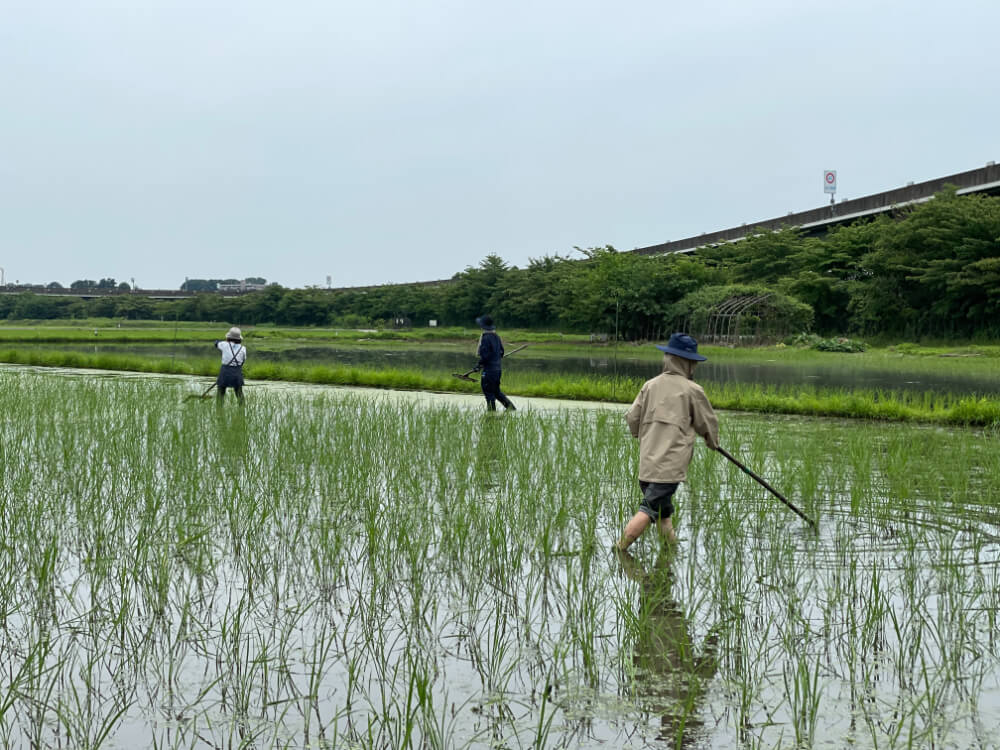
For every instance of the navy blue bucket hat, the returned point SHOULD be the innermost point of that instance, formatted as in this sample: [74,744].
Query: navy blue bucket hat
[682,345]
[486,323]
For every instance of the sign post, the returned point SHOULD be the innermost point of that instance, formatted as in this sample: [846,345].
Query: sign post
[830,183]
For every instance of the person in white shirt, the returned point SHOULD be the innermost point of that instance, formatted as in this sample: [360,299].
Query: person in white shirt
[234,354]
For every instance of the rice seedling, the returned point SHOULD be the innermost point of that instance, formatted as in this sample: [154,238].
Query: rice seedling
[330,569]
[952,404]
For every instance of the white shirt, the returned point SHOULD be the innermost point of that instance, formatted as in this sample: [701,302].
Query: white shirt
[232,353]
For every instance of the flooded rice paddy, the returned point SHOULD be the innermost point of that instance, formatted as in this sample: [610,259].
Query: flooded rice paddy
[328,568]
[840,372]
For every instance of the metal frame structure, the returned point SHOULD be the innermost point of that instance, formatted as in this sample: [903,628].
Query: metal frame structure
[725,321]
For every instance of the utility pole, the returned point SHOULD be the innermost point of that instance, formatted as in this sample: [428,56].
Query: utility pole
[614,383]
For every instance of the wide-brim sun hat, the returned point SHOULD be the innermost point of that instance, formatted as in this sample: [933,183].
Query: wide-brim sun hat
[234,334]
[682,345]
[485,322]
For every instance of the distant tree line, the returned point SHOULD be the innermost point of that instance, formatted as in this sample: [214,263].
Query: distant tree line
[929,271]
[107,283]
[189,285]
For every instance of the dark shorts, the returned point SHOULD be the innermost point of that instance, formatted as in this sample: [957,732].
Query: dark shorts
[657,499]
[230,377]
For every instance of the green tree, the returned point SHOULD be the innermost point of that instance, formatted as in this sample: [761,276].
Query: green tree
[260,307]
[199,285]
[933,272]
[763,257]
[531,301]
[478,290]
[303,307]
[625,292]
[28,306]
[134,307]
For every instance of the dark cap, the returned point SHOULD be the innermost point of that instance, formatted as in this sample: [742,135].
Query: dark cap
[485,322]
[682,345]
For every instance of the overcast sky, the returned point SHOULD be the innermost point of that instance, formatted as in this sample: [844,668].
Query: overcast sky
[386,141]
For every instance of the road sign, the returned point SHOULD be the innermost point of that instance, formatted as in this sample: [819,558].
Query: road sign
[830,181]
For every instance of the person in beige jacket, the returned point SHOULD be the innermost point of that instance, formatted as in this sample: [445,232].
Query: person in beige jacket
[669,412]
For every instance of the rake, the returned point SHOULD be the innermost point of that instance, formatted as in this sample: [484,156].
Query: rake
[465,375]
[761,481]
[208,390]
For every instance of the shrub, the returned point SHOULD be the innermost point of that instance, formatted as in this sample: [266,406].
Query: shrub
[350,320]
[804,340]
[840,345]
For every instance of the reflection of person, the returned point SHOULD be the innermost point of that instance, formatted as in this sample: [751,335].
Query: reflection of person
[234,354]
[488,464]
[670,410]
[490,353]
[671,675]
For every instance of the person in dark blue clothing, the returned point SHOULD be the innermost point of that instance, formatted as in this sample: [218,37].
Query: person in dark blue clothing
[490,353]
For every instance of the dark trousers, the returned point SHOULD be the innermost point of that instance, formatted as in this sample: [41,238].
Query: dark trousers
[490,383]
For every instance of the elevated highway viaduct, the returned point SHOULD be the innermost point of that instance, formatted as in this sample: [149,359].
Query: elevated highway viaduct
[985,180]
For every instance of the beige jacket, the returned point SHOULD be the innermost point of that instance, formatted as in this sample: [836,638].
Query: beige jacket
[670,410]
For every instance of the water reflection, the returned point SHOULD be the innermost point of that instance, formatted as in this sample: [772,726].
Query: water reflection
[488,462]
[839,374]
[671,674]
[231,436]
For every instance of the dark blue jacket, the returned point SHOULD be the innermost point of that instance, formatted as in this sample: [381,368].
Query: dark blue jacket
[490,351]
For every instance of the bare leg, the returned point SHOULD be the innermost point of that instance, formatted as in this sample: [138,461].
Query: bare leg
[666,529]
[633,530]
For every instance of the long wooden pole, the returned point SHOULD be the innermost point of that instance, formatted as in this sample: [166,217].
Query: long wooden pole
[201,395]
[768,487]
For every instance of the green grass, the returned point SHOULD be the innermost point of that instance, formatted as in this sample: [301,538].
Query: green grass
[57,331]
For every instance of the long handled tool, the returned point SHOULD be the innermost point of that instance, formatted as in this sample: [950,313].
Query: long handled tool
[465,375]
[201,395]
[768,487]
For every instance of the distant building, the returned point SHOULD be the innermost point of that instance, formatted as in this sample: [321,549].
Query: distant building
[242,286]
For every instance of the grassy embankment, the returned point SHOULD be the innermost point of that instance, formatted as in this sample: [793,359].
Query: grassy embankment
[801,399]
[112,331]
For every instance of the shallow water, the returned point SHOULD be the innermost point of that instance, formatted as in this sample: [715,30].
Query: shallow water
[461,580]
[601,365]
